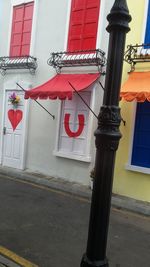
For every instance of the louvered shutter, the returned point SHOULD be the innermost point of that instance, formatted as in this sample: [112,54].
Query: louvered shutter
[21,30]
[27,27]
[83,24]
[16,35]
[90,26]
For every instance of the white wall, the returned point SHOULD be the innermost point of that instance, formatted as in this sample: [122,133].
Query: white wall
[50,36]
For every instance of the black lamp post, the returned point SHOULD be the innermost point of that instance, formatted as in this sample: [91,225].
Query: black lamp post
[107,139]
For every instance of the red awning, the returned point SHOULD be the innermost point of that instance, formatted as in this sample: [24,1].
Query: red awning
[58,86]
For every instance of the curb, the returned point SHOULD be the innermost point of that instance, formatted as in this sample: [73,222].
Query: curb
[53,183]
[119,202]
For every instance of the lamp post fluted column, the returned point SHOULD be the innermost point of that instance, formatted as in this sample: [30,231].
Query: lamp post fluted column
[107,139]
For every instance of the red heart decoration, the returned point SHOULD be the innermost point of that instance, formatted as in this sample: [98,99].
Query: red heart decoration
[15,116]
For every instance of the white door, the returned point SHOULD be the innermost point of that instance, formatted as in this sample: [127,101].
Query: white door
[13,135]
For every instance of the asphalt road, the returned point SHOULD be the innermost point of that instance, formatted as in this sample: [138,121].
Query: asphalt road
[49,228]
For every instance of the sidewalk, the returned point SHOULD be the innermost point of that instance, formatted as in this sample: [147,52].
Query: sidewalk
[118,201]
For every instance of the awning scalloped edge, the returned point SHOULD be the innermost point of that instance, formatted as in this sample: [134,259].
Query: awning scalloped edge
[139,97]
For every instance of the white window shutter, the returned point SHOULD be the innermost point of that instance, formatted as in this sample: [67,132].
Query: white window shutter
[74,145]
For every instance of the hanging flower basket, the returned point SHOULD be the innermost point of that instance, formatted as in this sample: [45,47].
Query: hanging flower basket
[14,99]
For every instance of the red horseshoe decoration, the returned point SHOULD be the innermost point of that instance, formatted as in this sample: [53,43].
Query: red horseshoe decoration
[80,128]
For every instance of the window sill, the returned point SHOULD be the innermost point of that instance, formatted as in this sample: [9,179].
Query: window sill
[130,167]
[71,156]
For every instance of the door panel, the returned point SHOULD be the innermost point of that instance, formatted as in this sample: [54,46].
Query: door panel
[13,136]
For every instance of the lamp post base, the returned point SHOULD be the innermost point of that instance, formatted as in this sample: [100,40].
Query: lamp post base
[87,263]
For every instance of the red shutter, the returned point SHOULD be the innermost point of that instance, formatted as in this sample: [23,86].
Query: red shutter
[21,30]
[27,26]
[90,26]
[83,24]
[16,35]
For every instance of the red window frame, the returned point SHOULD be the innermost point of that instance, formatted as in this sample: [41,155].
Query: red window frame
[21,29]
[83,25]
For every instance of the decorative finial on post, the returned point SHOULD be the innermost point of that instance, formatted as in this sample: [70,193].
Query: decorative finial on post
[119,16]
[107,139]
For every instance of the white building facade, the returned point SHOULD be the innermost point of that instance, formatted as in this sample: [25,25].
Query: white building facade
[63,146]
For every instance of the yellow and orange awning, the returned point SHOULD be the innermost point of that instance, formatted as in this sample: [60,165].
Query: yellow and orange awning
[137,87]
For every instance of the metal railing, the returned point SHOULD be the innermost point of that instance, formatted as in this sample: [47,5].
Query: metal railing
[80,58]
[137,54]
[18,62]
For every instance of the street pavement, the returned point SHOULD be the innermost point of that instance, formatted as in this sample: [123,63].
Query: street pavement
[49,227]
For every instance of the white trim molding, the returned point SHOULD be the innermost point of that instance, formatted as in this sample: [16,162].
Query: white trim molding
[34,23]
[34,26]
[11,85]
[67,24]
[101,24]
[69,155]
[20,2]
[144,21]
[145,15]
[129,166]
[134,168]
[72,156]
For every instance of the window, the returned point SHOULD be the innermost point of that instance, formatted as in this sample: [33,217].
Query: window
[141,143]
[74,123]
[21,30]
[74,126]
[147,31]
[83,25]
